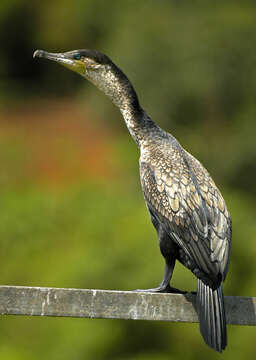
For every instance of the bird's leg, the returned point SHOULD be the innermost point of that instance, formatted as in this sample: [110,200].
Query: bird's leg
[169,251]
[165,287]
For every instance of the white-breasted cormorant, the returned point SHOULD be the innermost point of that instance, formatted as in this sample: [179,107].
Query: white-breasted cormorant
[186,207]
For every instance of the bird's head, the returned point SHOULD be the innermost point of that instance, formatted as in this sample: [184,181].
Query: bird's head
[81,61]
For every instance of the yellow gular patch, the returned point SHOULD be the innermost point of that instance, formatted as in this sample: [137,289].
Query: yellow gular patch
[76,66]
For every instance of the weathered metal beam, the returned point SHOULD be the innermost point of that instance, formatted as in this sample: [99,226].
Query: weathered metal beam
[21,300]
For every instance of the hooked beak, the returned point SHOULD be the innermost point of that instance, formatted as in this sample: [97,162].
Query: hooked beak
[63,59]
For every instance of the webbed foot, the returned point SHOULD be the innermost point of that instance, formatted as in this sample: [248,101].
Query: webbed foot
[163,289]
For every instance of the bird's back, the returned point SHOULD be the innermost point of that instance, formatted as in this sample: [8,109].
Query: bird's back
[184,199]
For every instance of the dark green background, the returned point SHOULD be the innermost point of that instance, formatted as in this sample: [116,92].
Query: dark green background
[71,209]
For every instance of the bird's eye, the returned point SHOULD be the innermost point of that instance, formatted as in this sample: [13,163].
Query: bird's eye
[77,57]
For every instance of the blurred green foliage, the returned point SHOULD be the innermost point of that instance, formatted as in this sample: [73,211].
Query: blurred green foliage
[72,212]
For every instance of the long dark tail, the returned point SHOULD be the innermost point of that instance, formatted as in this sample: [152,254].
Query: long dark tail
[211,314]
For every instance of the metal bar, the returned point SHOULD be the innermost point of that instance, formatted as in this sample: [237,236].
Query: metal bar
[107,304]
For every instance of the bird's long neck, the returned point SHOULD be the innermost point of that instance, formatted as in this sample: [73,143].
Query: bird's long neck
[114,83]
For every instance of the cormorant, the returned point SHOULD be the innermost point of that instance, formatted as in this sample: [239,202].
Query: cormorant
[185,206]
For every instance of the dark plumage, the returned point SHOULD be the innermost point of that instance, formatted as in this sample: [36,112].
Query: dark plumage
[186,207]
[95,55]
[193,226]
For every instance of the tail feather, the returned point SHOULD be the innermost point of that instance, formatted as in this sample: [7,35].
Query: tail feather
[211,314]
